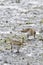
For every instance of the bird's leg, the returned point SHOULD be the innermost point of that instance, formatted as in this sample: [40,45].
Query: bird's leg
[27,36]
[11,48]
[22,39]
[18,49]
[34,34]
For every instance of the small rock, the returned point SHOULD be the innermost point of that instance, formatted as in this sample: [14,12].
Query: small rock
[11,32]
[28,64]
[6,21]
[5,62]
[23,58]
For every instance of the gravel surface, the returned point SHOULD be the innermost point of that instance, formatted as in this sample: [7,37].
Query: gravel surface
[16,15]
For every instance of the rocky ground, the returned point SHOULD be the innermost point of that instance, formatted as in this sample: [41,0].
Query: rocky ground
[17,15]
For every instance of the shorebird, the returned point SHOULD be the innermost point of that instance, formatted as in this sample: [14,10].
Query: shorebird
[30,32]
[15,42]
